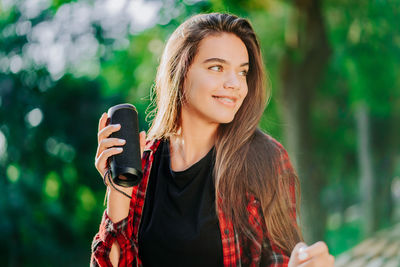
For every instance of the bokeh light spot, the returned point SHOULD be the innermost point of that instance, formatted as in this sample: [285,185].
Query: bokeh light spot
[13,173]
[52,185]
[15,64]
[87,199]
[34,117]
[3,145]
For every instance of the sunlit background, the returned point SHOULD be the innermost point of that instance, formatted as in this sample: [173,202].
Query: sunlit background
[334,69]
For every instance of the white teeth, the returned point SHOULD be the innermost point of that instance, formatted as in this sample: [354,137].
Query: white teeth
[225,99]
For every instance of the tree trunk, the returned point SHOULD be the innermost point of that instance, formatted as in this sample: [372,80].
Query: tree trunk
[385,144]
[367,184]
[307,53]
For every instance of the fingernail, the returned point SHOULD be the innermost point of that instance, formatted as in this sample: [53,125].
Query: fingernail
[302,254]
[121,141]
[119,148]
[117,125]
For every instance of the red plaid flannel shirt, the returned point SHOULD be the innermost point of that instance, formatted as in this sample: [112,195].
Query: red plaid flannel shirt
[237,251]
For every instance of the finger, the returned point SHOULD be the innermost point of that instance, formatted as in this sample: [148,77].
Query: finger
[297,255]
[316,249]
[298,246]
[319,260]
[142,139]
[101,161]
[109,142]
[107,130]
[102,121]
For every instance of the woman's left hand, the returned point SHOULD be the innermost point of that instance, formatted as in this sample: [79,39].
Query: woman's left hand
[316,255]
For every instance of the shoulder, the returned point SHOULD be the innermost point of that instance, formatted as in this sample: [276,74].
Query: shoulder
[262,139]
[275,150]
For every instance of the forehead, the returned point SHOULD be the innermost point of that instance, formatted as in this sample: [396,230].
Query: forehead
[226,46]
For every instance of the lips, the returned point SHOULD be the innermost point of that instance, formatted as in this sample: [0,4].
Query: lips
[228,98]
[225,99]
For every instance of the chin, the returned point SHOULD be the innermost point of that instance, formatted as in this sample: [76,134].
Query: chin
[225,119]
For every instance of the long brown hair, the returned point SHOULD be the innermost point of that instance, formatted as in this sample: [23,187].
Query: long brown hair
[247,160]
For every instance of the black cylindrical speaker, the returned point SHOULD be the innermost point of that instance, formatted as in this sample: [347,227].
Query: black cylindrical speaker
[128,163]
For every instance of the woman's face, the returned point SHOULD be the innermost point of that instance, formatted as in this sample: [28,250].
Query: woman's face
[215,84]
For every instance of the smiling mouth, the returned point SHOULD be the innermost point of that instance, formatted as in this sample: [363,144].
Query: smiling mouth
[225,100]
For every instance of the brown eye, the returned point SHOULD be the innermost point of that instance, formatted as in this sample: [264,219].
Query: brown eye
[244,72]
[216,68]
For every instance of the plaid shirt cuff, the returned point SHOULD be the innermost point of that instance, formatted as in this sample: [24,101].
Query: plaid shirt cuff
[108,233]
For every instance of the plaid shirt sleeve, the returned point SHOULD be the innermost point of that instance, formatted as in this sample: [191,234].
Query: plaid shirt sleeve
[278,257]
[266,252]
[262,252]
[108,233]
[287,172]
[124,231]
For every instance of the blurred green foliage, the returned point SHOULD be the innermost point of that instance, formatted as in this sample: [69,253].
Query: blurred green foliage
[55,86]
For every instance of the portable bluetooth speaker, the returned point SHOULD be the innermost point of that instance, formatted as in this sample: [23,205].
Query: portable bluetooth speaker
[126,167]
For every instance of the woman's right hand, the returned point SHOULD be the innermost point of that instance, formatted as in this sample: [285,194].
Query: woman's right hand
[107,147]
[110,146]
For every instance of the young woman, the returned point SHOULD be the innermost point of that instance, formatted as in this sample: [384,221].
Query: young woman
[216,190]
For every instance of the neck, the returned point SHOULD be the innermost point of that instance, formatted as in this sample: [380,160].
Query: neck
[194,140]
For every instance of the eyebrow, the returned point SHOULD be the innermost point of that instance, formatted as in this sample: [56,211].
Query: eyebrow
[222,61]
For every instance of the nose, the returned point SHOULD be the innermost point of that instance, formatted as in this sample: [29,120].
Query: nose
[231,80]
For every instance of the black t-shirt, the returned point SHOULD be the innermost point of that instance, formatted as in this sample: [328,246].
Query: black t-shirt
[179,224]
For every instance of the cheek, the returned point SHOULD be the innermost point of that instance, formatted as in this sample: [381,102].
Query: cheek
[244,92]
[200,88]
[243,95]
